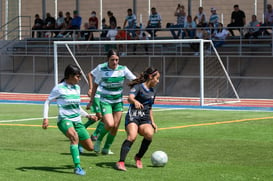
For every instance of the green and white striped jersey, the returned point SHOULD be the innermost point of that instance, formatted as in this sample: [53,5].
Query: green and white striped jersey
[111,81]
[68,100]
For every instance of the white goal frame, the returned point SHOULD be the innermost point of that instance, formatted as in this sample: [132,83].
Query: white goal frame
[176,41]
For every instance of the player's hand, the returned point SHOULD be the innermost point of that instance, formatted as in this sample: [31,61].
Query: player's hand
[99,116]
[138,105]
[154,126]
[45,124]
[89,92]
[94,118]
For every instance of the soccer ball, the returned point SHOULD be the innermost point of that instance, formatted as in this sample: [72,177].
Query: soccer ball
[159,158]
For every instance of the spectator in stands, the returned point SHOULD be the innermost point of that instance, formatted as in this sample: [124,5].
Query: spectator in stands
[111,35]
[200,33]
[268,19]
[49,25]
[93,24]
[154,22]
[181,18]
[131,20]
[140,35]
[112,18]
[86,33]
[253,28]
[238,20]
[104,29]
[214,18]
[75,25]
[60,23]
[38,25]
[189,28]
[122,35]
[200,18]
[219,36]
[67,25]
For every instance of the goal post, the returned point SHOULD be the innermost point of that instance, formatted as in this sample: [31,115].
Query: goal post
[209,80]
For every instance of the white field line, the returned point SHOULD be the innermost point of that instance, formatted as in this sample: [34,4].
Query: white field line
[31,119]
[19,120]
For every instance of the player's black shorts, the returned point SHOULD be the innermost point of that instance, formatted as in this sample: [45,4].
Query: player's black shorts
[138,119]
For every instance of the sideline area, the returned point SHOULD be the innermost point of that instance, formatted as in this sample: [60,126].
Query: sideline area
[161,102]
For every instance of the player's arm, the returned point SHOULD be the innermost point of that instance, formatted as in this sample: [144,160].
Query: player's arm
[90,83]
[53,95]
[89,116]
[94,90]
[45,120]
[132,100]
[152,119]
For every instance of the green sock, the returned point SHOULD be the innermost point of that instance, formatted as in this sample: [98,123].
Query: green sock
[100,126]
[102,133]
[109,140]
[75,155]
[89,122]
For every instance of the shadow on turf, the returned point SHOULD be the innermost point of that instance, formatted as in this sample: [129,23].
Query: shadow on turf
[48,169]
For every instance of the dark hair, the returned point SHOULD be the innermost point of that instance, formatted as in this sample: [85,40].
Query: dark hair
[143,77]
[111,52]
[71,70]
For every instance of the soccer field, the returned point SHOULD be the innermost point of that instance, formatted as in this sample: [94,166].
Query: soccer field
[202,145]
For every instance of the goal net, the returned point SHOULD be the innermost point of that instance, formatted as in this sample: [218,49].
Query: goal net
[215,85]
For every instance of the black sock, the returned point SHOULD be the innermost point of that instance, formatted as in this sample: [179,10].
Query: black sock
[125,148]
[143,148]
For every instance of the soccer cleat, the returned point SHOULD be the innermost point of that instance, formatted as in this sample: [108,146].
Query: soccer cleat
[97,146]
[121,166]
[138,162]
[79,171]
[93,138]
[107,152]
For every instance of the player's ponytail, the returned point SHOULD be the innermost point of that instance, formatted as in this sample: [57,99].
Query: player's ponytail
[144,76]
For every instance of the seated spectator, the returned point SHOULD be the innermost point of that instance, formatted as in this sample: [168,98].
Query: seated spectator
[140,35]
[67,24]
[38,25]
[122,35]
[60,23]
[86,33]
[93,24]
[189,28]
[49,25]
[181,17]
[238,19]
[219,36]
[200,33]
[253,28]
[268,19]
[75,24]
[104,29]
[200,18]
[131,20]
[154,23]
[214,18]
[111,35]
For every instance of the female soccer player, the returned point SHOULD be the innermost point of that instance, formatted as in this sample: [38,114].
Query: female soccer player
[139,118]
[109,79]
[67,95]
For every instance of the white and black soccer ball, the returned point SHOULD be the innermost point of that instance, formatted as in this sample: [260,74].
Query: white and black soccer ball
[159,158]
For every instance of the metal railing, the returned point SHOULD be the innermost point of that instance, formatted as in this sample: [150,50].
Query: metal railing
[234,45]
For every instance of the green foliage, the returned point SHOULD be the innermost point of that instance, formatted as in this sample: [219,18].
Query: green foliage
[201,150]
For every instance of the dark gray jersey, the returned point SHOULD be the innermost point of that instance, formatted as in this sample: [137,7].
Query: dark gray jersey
[146,97]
